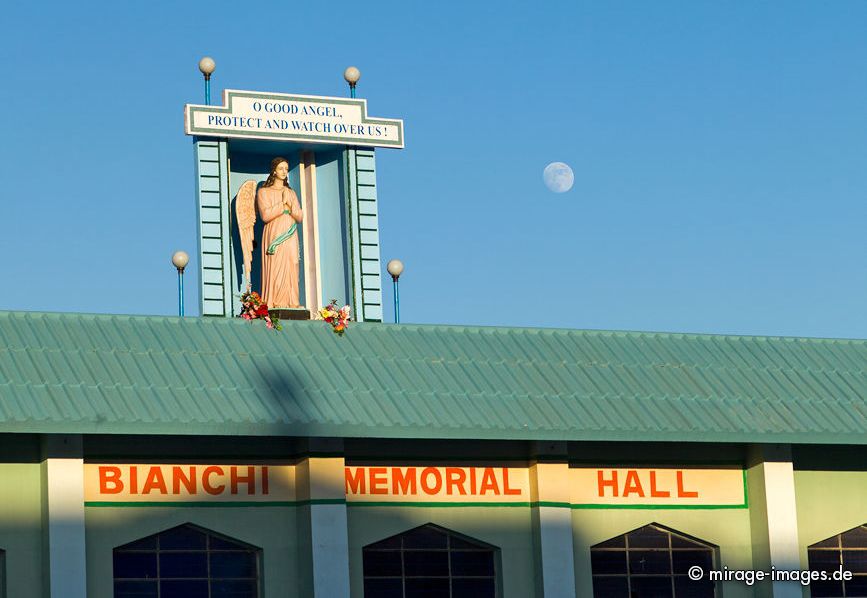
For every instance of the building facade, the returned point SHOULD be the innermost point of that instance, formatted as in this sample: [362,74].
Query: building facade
[153,456]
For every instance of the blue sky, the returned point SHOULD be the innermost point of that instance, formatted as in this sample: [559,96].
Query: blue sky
[718,148]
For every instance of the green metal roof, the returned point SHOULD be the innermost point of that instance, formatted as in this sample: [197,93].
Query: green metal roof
[76,373]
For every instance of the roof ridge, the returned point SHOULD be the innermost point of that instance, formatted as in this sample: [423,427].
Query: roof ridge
[494,329]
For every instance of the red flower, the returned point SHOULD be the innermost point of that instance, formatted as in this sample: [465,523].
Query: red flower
[262,311]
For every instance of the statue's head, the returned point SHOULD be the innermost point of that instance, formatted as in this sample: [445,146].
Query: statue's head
[279,171]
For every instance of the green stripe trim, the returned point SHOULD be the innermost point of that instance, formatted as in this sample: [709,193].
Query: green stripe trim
[534,504]
[658,507]
[413,504]
[430,504]
[217,504]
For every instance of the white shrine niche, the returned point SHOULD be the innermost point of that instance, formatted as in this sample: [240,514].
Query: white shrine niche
[329,146]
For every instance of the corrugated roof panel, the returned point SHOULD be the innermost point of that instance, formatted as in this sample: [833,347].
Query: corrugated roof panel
[88,373]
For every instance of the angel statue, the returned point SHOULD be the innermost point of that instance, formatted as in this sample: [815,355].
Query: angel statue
[279,208]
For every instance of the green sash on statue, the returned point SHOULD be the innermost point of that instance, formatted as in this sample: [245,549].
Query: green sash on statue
[285,236]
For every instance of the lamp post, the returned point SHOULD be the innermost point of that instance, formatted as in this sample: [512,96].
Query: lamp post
[180,259]
[395,268]
[207,66]
[352,75]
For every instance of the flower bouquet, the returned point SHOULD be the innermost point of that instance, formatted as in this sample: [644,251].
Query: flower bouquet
[253,308]
[337,317]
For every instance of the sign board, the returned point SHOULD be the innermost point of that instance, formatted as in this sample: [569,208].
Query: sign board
[589,487]
[437,484]
[624,487]
[289,117]
[129,483]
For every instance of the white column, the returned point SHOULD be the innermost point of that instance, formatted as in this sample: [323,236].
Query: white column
[63,516]
[773,517]
[552,523]
[321,479]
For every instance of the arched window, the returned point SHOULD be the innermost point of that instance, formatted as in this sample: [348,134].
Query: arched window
[847,550]
[429,561]
[651,562]
[186,562]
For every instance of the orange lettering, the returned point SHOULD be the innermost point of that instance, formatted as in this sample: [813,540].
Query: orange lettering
[632,485]
[489,482]
[110,475]
[155,480]
[378,480]
[178,478]
[653,491]
[425,475]
[602,483]
[473,488]
[133,479]
[206,480]
[354,483]
[265,480]
[506,490]
[455,476]
[249,479]
[681,493]
[403,483]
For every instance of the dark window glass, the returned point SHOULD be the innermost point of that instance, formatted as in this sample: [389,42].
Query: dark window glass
[393,542]
[424,563]
[135,589]
[823,560]
[383,588]
[651,587]
[855,561]
[653,562]
[618,542]
[682,542]
[419,587]
[473,587]
[382,563]
[135,564]
[684,587]
[826,589]
[182,538]
[829,543]
[608,561]
[183,564]
[848,549]
[186,562]
[232,565]
[425,537]
[857,586]
[473,563]
[682,560]
[457,543]
[610,587]
[650,562]
[186,588]
[233,589]
[217,543]
[149,543]
[854,538]
[647,537]
[429,562]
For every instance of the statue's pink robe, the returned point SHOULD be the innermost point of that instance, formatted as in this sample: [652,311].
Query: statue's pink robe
[279,271]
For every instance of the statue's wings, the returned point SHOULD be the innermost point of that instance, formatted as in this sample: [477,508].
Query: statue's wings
[245,213]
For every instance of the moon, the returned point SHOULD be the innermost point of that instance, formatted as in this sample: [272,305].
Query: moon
[558,177]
